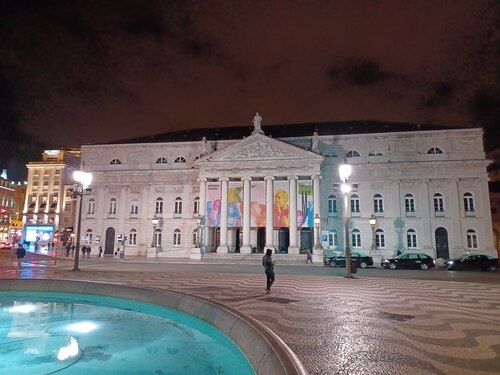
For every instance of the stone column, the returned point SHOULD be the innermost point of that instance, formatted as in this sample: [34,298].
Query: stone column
[246,248]
[269,212]
[293,247]
[223,248]
[317,252]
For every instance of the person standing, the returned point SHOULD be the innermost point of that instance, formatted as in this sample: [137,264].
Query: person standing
[100,252]
[20,253]
[309,257]
[268,263]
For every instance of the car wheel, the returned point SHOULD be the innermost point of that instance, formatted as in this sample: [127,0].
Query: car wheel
[424,266]
[363,265]
[493,268]
[333,264]
[392,266]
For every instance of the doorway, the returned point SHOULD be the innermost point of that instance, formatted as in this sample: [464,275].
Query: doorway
[442,250]
[261,239]
[283,240]
[109,245]
[306,238]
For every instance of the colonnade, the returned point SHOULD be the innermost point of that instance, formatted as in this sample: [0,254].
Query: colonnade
[246,246]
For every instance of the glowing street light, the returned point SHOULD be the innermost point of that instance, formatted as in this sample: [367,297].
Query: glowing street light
[81,187]
[344,174]
[155,225]
[373,223]
[317,222]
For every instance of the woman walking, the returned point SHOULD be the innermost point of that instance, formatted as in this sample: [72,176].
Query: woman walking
[268,263]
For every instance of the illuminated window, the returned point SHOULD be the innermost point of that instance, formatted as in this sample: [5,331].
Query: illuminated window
[355,203]
[333,239]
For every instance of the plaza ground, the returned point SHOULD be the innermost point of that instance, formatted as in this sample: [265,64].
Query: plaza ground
[381,322]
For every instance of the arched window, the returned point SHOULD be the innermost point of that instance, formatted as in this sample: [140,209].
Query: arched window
[115,161]
[375,153]
[157,238]
[88,237]
[434,150]
[471,239]
[356,238]
[378,204]
[409,204]
[195,238]
[112,206]
[91,206]
[438,203]
[379,238]
[180,159]
[177,237]
[411,239]
[352,154]
[332,204]
[196,205]
[331,155]
[161,160]
[134,207]
[178,206]
[132,237]
[355,203]
[333,239]
[468,203]
[159,205]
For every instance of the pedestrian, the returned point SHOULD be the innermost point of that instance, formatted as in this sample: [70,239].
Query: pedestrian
[117,252]
[100,252]
[309,257]
[268,263]
[20,253]
[89,249]
[68,249]
[73,247]
[84,250]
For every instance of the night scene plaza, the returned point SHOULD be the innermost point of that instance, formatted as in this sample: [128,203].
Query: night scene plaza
[381,322]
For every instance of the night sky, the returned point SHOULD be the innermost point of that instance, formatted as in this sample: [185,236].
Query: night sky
[76,72]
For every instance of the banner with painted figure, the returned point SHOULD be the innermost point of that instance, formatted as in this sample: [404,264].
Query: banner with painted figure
[234,204]
[305,206]
[281,204]
[213,194]
[258,204]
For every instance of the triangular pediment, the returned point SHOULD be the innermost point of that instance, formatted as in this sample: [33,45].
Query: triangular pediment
[259,147]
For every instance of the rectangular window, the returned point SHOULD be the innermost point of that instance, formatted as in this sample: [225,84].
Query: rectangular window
[178,207]
[132,239]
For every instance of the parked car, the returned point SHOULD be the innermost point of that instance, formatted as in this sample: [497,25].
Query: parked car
[5,245]
[471,262]
[410,260]
[362,259]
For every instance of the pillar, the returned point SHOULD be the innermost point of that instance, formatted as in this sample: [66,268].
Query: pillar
[223,248]
[293,247]
[246,248]
[269,212]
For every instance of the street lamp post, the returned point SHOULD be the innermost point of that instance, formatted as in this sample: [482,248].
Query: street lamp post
[373,223]
[155,225]
[317,221]
[344,173]
[81,188]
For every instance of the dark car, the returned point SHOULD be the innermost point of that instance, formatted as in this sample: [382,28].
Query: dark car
[362,259]
[410,260]
[472,262]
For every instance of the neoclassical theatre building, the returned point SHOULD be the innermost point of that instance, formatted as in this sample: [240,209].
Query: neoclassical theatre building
[244,189]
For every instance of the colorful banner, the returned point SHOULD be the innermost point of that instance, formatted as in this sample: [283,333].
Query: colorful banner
[213,194]
[258,204]
[281,205]
[234,204]
[305,207]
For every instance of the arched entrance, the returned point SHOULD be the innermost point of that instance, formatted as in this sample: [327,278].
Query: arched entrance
[261,239]
[442,250]
[306,238]
[109,245]
[283,240]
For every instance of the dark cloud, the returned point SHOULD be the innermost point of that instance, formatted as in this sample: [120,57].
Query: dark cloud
[441,95]
[358,72]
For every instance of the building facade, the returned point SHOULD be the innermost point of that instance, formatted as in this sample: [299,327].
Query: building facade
[427,190]
[7,207]
[49,207]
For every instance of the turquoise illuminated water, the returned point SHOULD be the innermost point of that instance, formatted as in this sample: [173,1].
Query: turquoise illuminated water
[62,333]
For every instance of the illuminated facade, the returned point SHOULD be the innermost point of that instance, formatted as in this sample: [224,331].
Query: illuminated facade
[6,208]
[48,201]
[212,191]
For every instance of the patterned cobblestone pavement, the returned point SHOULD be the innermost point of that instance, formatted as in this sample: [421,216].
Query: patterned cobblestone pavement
[344,326]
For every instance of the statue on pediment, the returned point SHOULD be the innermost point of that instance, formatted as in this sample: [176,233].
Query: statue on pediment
[257,121]
[315,141]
